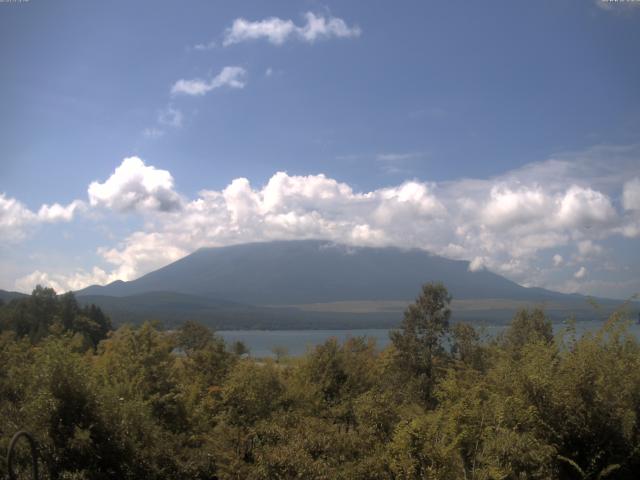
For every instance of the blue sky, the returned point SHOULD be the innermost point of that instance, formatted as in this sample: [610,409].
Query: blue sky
[505,133]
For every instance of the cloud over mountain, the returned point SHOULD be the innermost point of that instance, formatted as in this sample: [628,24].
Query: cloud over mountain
[503,223]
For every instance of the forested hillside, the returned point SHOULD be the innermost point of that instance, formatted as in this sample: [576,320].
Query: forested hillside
[142,403]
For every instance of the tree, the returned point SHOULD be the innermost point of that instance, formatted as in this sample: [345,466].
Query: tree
[528,327]
[280,352]
[193,336]
[45,313]
[239,348]
[139,363]
[466,346]
[418,344]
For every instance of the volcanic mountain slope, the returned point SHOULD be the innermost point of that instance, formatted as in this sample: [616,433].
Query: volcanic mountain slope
[312,271]
[288,284]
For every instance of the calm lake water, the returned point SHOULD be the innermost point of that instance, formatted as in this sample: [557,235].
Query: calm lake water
[262,342]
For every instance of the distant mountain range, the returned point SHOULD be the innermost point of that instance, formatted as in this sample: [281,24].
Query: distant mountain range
[6,296]
[319,284]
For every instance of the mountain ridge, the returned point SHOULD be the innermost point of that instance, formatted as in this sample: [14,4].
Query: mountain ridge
[311,271]
[320,284]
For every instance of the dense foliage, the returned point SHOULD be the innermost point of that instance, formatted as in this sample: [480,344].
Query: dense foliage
[441,402]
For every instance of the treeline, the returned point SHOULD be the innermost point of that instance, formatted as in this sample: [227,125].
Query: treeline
[440,402]
[45,313]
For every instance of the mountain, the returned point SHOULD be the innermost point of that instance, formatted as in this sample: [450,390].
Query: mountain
[7,296]
[312,271]
[318,284]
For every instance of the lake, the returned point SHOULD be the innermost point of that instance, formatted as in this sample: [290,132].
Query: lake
[262,342]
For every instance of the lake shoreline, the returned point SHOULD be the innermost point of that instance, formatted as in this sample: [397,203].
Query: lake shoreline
[296,342]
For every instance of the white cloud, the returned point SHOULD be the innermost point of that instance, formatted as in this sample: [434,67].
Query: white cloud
[581,273]
[277,30]
[63,283]
[287,207]
[557,260]
[584,207]
[28,282]
[510,208]
[588,248]
[318,26]
[273,29]
[16,220]
[631,195]
[140,252]
[618,6]
[57,212]
[478,263]
[500,223]
[232,77]
[135,186]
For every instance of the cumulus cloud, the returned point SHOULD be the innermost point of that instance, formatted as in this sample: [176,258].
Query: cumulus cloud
[584,207]
[277,31]
[508,207]
[57,212]
[61,282]
[141,252]
[477,264]
[273,29]
[501,223]
[135,186]
[232,77]
[587,248]
[132,186]
[631,195]
[16,220]
[534,207]
[287,207]
[581,273]
[318,26]
[557,260]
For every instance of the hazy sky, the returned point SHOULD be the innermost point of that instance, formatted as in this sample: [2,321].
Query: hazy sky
[506,133]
